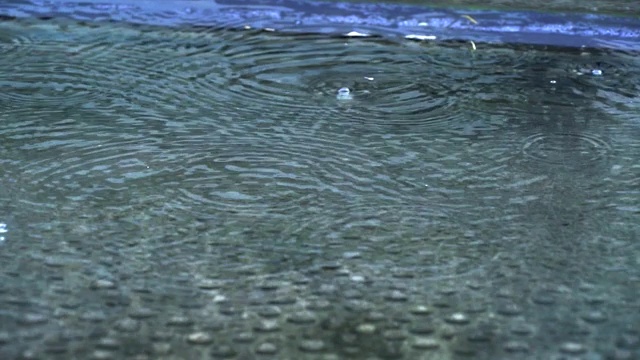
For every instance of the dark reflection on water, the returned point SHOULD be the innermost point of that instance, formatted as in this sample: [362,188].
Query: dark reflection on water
[190,193]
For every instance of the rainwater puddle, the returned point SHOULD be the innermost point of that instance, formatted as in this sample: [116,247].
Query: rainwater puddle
[195,192]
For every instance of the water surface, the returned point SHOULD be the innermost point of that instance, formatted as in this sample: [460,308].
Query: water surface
[193,192]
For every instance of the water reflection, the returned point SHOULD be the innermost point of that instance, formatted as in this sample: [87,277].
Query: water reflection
[193,188]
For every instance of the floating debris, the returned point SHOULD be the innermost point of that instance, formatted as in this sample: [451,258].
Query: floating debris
[468,17]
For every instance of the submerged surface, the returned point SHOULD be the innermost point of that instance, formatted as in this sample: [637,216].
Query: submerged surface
[186,193]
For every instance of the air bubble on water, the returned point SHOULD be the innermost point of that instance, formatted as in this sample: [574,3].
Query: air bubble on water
[344,93]
[3,230]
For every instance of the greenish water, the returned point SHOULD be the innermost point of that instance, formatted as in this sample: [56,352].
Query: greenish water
[188,194]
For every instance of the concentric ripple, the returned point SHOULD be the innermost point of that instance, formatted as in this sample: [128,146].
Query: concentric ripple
[242,178]
[570,151]
[195,72]
[103,70]
[605,70]
[273,176]
[199,192]
[45,77]
[386,87]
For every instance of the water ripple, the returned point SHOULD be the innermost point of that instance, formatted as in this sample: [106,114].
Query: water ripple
[568,150]
[274,177]
[242,123]
[386,88]
[45,77]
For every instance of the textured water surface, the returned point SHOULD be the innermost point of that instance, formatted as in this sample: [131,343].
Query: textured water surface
[611,24]
[198,193]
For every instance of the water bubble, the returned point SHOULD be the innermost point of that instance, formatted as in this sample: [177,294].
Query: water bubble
[344,93]
[3,230]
